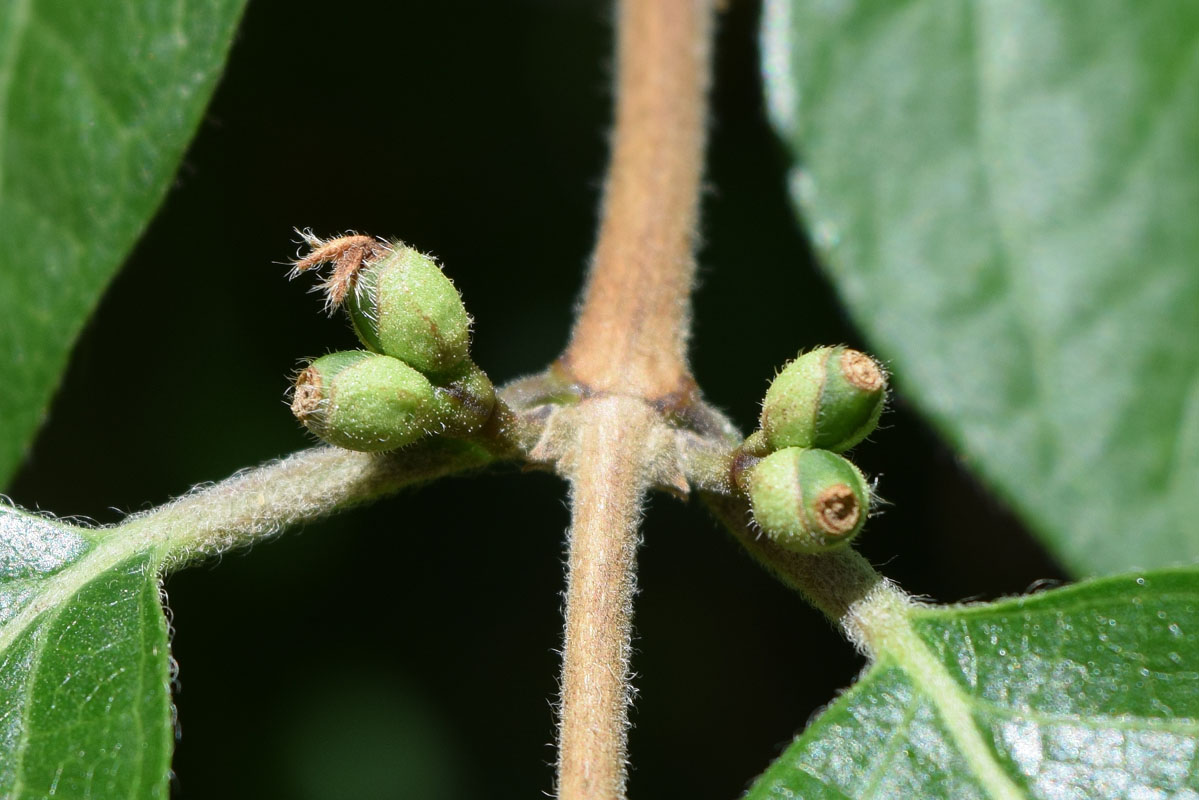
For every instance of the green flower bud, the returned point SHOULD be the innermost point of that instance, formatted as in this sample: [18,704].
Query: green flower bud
[830,398]
[808,501]
[404,306]
[364,401]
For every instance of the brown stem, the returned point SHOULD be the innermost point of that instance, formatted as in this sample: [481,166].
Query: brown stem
[628,352]
[607,487]
[631,333]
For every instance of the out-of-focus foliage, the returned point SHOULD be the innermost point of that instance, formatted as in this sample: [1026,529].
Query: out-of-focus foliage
[1005,195]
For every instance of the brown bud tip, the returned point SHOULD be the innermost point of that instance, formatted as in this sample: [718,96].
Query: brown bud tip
[837,510]
[364,401]
[861,370]
[807,500]
[306,399]
[829,398]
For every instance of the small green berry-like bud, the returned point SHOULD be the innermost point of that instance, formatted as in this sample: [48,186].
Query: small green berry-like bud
[830,398]
[363,401]
[404,306]
[808,501]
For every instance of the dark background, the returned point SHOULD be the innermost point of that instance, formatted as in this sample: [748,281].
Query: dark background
[409,649]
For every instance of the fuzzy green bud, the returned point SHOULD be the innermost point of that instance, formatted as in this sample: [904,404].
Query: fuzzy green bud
[829,398]
[364,401]
[404,306]
[808,501]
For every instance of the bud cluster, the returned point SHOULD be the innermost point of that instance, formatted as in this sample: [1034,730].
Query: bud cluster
[805,496]
[415,378]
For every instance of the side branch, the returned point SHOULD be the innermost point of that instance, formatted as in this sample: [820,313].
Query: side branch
[304,487]
[840,583]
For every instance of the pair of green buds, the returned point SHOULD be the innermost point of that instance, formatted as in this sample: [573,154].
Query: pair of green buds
[805,496]
[415,378]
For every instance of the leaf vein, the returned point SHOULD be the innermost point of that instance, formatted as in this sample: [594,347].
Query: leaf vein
[22,745]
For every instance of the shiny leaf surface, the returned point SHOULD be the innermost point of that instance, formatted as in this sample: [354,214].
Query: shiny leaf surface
[85,708]
[1089,691]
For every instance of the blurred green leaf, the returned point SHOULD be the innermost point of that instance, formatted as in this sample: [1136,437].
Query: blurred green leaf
[1090,691]
[97,102]
[85,707]
[1005,195]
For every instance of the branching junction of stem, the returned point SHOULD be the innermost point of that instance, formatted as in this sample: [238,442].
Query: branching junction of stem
[617,416]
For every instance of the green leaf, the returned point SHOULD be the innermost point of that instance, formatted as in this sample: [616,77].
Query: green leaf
[85,708]
[1005,194]
[97,102]
[1091,691]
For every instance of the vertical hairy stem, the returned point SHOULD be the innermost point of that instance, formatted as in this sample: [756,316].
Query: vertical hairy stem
[627,351]
[631,333]
[607,489]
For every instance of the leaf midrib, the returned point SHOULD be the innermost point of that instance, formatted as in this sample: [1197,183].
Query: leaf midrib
[47,605]
[57,589]
[903,647]
[896,641]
